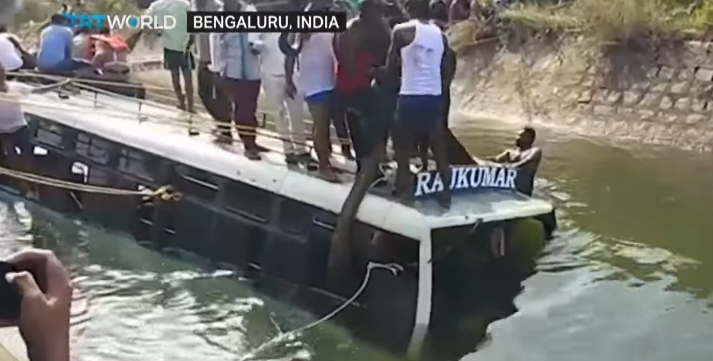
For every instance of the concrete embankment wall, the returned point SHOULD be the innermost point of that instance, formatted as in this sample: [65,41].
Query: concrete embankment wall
[641,91]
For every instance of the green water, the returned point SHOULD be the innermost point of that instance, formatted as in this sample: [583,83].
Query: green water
[627,279]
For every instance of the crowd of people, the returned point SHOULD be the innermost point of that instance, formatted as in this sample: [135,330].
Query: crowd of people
[64,49]
[353,81]
[388,74]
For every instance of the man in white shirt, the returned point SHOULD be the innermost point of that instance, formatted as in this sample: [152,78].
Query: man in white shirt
[290,110]
[10,58]
[14,134]
[177,57]
[418,49]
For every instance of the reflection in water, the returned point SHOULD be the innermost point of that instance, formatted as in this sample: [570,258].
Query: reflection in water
[625,279]
[135,304]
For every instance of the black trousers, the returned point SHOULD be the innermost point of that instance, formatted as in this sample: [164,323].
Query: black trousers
[355,109]
[213,95]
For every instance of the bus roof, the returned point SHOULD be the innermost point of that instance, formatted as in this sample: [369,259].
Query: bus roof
[116,118]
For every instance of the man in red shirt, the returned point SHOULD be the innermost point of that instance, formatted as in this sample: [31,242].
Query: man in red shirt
[360,51]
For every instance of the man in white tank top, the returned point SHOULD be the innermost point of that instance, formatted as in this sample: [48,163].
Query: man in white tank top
[419,47]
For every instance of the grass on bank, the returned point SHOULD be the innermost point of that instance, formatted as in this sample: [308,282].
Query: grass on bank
[605,21]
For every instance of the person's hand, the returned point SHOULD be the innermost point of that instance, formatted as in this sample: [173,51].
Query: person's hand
[46,303]
[377,72]
[290,89]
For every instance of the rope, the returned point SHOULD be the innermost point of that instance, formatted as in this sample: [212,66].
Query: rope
[84,84]
[393,267]
[166,193]
[88,81]
[175,121]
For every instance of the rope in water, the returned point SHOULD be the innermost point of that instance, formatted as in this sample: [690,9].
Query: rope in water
[393,267]
[166,193]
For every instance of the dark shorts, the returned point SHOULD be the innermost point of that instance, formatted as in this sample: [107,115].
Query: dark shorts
[385,96]
[177,60]
[17,140]
[417,115]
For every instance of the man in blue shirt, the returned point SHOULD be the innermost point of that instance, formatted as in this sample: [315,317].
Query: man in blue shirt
[55,54]
[237,58]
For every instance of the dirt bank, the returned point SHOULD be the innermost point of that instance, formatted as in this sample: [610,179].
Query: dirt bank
[640,91]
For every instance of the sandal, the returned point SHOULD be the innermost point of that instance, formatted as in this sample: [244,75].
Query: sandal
[328,176]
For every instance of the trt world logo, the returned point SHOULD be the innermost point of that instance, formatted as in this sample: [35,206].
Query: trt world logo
[118,22]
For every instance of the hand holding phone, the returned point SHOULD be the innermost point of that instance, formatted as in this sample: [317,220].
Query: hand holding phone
[10,298]
[45,302]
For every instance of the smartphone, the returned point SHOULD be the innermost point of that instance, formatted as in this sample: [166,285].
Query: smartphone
[10,298]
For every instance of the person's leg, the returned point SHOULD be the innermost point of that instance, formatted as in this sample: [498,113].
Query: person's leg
[446,108]
[338,119]
[274,87]
[205,87]
[232,91]
[358,120]
[172,63]
[21,162]
[29,62]
[295,110]
[402,149]
[223,109]
[319,108]
[438,146]
[187,71]
[246,95]
[78,64]
[422,146]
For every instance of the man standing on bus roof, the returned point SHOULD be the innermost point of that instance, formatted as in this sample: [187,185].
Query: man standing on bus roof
[239,62]
[289,119]
[214,98]
[360,50]
[420,46]
[14,133]
[316,61]
[177,57]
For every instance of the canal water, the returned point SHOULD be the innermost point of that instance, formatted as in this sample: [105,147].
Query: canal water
[627,277]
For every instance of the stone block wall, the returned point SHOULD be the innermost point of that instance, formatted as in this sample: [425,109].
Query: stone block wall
[650,93]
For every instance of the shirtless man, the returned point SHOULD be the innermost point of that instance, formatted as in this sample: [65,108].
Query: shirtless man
[419,46]
[360,50]
[524,157]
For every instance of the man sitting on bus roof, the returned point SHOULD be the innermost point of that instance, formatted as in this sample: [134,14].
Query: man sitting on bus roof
[110,60]
[55,49]
[12,55]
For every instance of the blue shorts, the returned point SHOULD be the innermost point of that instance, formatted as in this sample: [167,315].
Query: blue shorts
[319,98]
[418,115]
